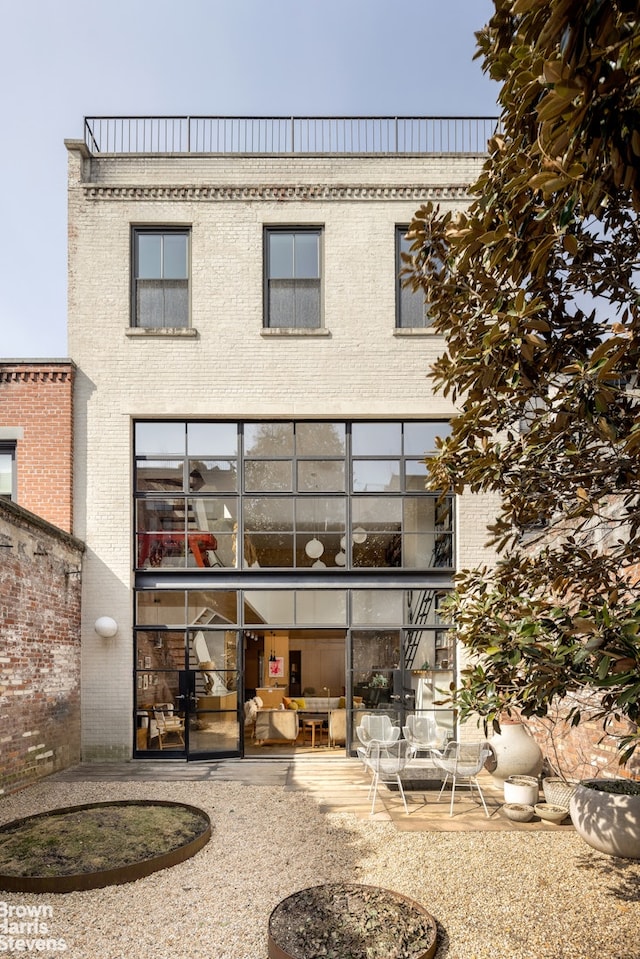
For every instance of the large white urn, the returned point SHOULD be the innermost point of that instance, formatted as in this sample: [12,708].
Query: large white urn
[515,753]
[609,821]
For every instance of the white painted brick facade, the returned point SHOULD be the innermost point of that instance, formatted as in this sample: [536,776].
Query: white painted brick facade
[360,368]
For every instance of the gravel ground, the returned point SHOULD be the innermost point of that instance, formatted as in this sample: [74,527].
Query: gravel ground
[500,894]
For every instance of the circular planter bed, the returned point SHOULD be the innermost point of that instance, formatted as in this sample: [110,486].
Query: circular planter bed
[337,920]
[98,844]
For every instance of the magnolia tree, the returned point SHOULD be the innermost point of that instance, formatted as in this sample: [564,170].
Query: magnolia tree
[535,290]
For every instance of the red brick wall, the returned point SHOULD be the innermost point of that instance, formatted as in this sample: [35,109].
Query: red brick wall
[40,586]
[586,750]
[38,397]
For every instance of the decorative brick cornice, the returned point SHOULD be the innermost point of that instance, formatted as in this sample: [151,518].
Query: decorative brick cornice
[281,193]
[32,375]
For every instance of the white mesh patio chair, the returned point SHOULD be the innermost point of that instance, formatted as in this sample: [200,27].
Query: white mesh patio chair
[386,761]
[424,733]
[377,729]
[462,762]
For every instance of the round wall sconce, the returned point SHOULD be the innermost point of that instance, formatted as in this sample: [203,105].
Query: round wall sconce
[106,627]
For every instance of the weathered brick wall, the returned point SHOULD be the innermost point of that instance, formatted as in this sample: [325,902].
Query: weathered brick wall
[36,398]
[586,750]
[583,751]
[40,587]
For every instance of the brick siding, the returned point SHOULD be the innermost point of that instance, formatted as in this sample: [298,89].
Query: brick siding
[40,586]
[37,398]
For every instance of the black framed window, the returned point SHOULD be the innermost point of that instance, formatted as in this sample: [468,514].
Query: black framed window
[292,278]
[411,307]
[289,494]
[160,294]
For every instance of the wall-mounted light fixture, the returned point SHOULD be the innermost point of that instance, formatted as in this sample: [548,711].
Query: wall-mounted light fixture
[106,627]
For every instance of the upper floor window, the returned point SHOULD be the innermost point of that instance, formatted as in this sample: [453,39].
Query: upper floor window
[292,278]
[8,470]
[411,306]
[285,494]
[161,278]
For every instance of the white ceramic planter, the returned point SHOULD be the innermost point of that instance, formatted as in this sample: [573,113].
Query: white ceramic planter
[516,753]
[523,790]
[607,821]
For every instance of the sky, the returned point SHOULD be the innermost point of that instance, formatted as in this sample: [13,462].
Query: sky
[62,60]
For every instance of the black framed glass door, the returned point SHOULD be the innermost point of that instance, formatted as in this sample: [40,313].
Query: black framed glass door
[186,689]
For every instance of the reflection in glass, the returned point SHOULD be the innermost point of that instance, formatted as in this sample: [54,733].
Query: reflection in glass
[320,439]
[321,607]
[376,650]
[159,476]
[420,437]
[212,439]
[416,476]
[214,653]
[160,439]
[376,476]
[373,606]
[273,476]
[376,439]
[213,476]
[325,476]
[268,439]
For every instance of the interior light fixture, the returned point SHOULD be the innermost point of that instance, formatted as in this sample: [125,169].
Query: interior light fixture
[314,548]
[359,535]
[340,559]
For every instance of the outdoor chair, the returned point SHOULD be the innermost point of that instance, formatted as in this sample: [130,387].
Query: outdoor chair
[386,761]
[377,729]
[424,733]
[462,761]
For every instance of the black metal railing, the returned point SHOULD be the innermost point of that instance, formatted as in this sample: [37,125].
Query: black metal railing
[299,135]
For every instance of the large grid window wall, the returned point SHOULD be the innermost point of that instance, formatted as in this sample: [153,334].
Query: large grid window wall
[285,495]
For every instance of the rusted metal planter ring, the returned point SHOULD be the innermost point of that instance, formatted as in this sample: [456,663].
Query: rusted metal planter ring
[278,951]
[106,877]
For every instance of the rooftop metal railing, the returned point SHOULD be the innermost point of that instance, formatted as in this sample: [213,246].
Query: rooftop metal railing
[297,135]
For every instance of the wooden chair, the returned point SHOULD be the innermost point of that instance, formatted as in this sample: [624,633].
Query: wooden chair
[167,724]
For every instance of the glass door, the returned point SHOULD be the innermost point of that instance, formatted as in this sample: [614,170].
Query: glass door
[212,681]
[186,690]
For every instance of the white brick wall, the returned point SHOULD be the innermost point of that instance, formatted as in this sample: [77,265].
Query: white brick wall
[360,369]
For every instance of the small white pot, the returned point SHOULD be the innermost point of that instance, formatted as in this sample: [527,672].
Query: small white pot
[523,790]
